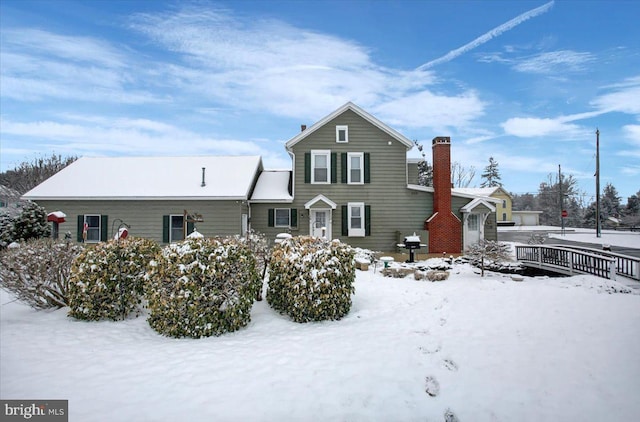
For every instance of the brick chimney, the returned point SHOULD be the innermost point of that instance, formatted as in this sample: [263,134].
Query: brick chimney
[445,228]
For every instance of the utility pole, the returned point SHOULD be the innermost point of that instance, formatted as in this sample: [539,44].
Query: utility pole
[598,183]
[561,199]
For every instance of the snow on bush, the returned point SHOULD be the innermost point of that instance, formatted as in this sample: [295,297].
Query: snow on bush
[259,246]
[7,229]
[311,279]
[107,280]
[488,254]
[37,272]
[201,287]
[31,222]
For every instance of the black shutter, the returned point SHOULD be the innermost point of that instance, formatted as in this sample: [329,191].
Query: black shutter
[307,167]
[294,217]
[367,167]
[334,167]
[104,228]
[190,227]
[345,221]
[343,167]
[367,220]
[80,227]
[271,218]
[165,228]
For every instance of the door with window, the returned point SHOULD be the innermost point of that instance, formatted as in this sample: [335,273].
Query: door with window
[473,229]
[320,223]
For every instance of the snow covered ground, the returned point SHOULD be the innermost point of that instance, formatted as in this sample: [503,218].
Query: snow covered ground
[562,349]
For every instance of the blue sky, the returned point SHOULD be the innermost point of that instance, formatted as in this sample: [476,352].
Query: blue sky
[527,82]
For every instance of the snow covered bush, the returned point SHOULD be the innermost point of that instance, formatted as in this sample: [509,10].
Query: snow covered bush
[31,223]
[259,247]
[107,280]
[202,287]
[311,279]
[37,272]
[7,229]
[488,253]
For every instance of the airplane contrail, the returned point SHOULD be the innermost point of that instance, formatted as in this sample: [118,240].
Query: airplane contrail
[489,35]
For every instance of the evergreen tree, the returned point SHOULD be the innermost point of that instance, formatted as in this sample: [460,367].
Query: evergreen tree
[631,212]
[491,176]
[31,223]
[425,169]
[610,203]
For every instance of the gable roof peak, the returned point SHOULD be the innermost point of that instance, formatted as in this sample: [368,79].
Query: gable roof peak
[359,111]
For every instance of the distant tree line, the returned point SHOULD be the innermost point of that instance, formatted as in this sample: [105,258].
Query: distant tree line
[559,193]
[555,194]
[30,174]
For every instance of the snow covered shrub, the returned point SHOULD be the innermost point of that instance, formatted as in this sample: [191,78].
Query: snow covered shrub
[37,272]
[488,253]
[259,247]
[31,222]
[7,229]
[107,280]
[202,287]
[311,279]
[537,238]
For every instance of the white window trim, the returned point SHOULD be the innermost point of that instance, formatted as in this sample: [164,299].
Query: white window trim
[355,232]
[275,217]
[355,154]
[99,227]
[171,240]
[346,134]
[315,153]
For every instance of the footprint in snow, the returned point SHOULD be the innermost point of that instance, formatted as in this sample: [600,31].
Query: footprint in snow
[449,416]
[432,386]
[429,350]
[443,322]
[450,364]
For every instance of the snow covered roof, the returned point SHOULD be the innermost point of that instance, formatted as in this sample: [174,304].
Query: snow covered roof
[226,177]
[272,186]
[350,106]
[477,202]
[481,191]
[476,191]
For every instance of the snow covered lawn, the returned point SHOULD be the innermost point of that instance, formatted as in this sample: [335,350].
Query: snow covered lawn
[492,349]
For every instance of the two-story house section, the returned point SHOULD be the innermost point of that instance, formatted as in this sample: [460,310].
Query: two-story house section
[349,182]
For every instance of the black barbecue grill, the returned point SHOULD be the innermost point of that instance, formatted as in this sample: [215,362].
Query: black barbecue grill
[411,243]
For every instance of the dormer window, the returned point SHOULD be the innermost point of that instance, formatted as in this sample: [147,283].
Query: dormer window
[342,133]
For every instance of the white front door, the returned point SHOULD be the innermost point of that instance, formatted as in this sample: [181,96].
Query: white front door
[473,229]
[320,221]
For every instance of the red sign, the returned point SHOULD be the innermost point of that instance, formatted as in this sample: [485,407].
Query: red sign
[565,213]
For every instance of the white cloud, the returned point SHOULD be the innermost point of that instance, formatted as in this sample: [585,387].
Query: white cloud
[529,127]
[428,110]
[555,62]
[625,99]
[632,133]
[123,136]
[39,65]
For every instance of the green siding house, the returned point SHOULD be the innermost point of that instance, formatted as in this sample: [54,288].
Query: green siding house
[349,180]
